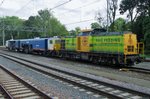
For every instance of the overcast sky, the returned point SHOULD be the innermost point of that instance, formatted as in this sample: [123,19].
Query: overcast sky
[73,14]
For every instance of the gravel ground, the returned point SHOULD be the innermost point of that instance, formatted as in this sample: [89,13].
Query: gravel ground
[147,58]
[145,65]
[107,72]
[46,83]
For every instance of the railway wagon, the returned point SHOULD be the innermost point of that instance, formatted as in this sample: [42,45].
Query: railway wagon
[33,45]
[39,45]
[12,45]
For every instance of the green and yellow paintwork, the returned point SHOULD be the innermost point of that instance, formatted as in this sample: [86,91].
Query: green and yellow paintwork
[122,44]
[112,44]
[70,43]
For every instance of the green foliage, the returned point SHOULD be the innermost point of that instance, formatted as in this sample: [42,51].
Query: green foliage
[113,6]
[95,25]
[32,22]
[11,23]
[101,20]
[46,21]
[140,21]
[77,30]
[129,6]
[119,25]
[142,29]
[72,33]
[144,7]
[138,28]
[146,30]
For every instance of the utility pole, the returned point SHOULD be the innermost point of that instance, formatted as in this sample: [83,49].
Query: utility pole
[3,25]
[107,15]
[3,32]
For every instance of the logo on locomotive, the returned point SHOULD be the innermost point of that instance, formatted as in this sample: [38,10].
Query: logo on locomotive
[85,41]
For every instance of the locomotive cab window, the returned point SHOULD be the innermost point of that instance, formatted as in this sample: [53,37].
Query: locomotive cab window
[130,48]
[51,42]
[57,41]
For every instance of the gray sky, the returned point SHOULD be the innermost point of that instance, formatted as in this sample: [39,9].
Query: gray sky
[69,14]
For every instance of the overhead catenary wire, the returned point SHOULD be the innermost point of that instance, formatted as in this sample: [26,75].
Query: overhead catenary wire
[79,7]
[23,6]
[60,4]
[79,22]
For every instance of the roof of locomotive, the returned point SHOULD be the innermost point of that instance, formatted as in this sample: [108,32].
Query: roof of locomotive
[37,38]
[102,32]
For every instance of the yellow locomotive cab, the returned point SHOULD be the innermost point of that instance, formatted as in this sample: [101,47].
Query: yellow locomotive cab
[130,44]
[83,41]
[132,47]
[57,45]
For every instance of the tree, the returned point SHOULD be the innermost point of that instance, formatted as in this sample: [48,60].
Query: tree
[144,7]
[34,23]
[146,30]
[131,7]
[77,30]
[138,27]
[12,26]
[51,24]
[119,25]
[101,20]
[112,12]
[142,29]
[95,25]
[46,21]
[139,13]
[72,33]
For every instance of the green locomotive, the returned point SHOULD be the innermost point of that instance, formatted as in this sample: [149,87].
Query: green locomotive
[104,47]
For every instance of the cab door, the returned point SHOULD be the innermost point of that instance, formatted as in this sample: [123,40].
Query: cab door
[50,44]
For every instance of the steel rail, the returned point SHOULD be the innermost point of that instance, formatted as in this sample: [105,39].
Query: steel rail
[136,69]
[5,93]
[25,83]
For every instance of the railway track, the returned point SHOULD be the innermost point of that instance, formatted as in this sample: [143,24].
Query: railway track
[136,69]
[147,59]
[102,89]
[4,94]
[14,87]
